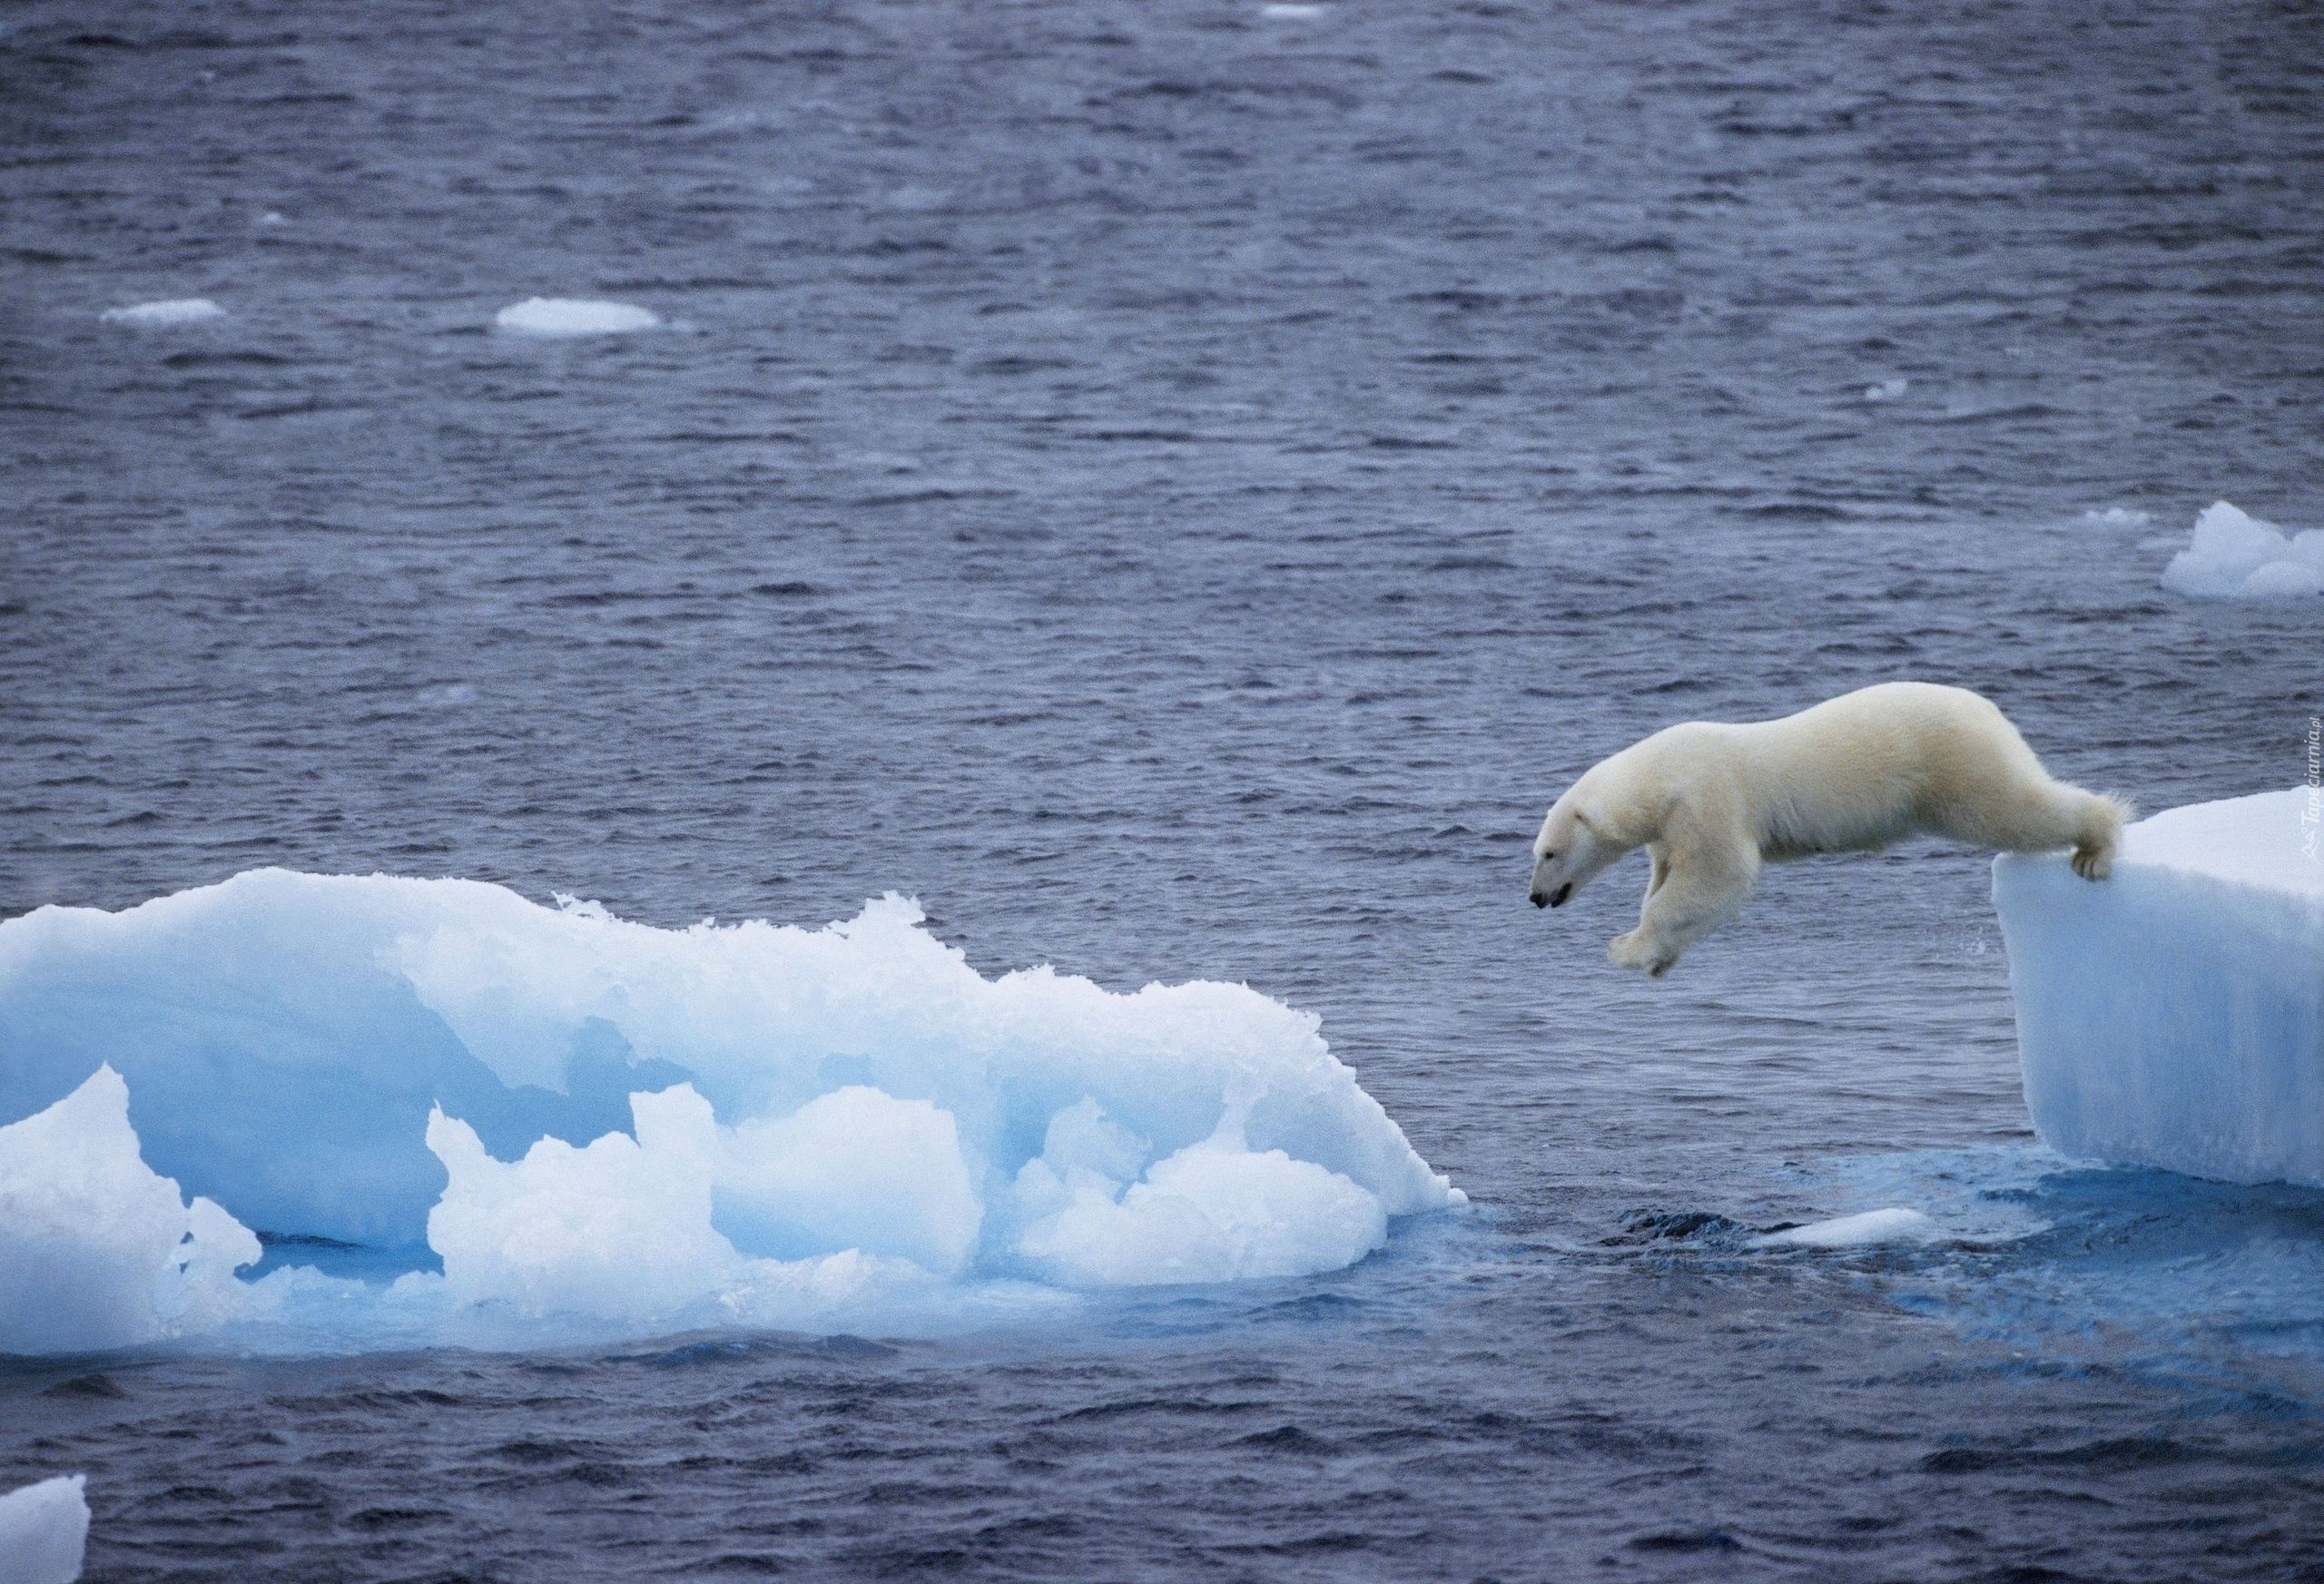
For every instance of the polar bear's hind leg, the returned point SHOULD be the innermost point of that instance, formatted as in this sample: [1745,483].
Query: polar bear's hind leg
[2042,816]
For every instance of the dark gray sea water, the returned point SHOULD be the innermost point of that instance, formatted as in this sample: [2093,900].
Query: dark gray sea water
[1179,488]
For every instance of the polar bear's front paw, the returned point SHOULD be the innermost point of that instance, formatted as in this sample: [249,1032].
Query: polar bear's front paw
[2092,862]
[1640,950]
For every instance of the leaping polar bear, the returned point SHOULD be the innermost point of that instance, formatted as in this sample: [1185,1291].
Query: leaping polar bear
[1711,801]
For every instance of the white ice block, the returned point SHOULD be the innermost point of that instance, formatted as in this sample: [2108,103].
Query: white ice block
[44,1531]
[2173,1015]
[574,316]
[178,311]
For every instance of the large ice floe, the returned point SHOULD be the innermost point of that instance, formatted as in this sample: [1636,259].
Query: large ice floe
[44,1531]
[451,1112]
[2232,555]
[2173,1015]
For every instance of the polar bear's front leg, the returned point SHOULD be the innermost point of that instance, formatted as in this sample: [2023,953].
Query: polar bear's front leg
[1698,887]
[1633,949]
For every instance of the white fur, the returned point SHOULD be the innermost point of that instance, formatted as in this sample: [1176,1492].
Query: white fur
[1711,802]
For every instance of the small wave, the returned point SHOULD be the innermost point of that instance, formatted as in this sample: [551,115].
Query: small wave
[2121,1453]
[245,359]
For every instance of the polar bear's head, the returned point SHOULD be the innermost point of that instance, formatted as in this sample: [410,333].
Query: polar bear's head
[1570,852]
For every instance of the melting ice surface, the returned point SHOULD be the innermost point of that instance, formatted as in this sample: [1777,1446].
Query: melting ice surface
[548,1118]
[2232,555]
[573,316]
[2173,1015]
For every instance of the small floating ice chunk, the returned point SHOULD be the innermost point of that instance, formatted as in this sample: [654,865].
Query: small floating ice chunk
[96,1249]
[2172,1016]
[1886,390]
[2232,555]
[2118,516]
[44,1531]
[1290,10]
[573,316]
[1894,1225]
[162,315]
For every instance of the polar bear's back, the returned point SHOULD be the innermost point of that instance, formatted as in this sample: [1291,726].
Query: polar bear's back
[1910,713]
[1861,769]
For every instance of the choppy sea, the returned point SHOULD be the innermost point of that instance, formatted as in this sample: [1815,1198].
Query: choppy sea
[1178,487]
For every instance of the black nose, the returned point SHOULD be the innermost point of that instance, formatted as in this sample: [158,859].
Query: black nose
[1540,900]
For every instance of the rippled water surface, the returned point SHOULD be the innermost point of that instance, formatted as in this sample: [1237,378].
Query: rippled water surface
[1179,488]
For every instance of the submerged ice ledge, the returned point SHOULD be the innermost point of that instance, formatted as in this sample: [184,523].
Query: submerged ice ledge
[2173,1015]
[1864,1229]
[591,1122]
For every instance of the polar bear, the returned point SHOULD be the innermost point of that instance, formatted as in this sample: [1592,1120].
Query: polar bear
[1711,801]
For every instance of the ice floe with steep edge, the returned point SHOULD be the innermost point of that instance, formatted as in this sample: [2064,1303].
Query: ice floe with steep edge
[2172,1016]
